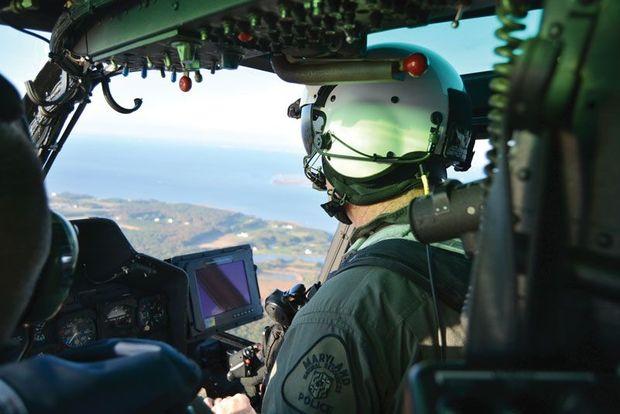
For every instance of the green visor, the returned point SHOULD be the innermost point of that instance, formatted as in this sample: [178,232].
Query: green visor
[376,134]
[330,145]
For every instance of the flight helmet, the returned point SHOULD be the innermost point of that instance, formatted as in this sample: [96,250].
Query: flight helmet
[375,141]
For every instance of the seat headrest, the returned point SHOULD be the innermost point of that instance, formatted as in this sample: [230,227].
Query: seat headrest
[11,108]
[25,229]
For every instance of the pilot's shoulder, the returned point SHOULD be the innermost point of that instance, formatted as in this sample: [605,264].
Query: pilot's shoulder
[360,290]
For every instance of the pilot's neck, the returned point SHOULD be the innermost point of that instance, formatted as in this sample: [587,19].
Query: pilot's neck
[362,215]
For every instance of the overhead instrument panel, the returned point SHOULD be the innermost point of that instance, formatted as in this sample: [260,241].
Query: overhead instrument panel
[310,42]
[183,36]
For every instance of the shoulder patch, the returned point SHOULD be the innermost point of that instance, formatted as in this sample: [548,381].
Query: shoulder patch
[320,382]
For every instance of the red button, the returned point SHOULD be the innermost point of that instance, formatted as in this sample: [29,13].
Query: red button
[185,83]
[244,37]
[415,64]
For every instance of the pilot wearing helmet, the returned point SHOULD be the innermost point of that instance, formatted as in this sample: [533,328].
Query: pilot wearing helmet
[374,147]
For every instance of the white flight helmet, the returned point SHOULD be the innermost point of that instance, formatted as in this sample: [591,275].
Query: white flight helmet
[376,140]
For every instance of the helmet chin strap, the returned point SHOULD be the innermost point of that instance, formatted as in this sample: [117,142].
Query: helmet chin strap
[335,207]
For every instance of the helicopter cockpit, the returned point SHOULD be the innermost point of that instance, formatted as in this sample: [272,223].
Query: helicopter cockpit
[96,286]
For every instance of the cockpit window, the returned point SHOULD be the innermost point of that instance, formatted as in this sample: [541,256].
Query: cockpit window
[469,48]
[217,166]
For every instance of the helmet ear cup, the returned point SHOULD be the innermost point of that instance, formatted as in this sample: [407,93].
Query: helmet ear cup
[321,140]
[57,276]
[324,142]
[459,146]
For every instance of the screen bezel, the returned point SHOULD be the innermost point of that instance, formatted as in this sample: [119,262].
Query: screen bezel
[226,320]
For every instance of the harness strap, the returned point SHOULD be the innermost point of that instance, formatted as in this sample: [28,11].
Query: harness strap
[408,259]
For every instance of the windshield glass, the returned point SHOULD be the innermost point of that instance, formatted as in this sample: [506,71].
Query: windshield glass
[220,165]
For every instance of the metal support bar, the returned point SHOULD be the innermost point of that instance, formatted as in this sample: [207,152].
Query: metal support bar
[336,71]
[54,152]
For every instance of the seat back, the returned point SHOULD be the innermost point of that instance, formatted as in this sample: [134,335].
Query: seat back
[25,229]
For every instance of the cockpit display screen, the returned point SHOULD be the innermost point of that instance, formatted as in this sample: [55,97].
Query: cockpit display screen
[222,287]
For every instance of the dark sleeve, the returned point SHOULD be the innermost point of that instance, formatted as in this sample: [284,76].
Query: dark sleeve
[349,348]
[110,376]
[321,368]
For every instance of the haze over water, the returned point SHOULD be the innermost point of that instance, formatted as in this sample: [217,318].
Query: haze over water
[269,185]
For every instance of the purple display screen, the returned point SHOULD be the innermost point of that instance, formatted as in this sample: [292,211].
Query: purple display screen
[222,287]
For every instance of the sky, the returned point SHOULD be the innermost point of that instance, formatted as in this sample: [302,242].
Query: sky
[241,108]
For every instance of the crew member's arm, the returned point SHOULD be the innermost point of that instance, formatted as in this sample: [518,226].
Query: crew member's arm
[314,371]
[349,348]
[119,376]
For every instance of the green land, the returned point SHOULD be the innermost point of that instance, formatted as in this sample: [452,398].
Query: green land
[285,253]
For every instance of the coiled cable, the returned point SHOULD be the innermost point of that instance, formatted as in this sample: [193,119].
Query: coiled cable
[508,13]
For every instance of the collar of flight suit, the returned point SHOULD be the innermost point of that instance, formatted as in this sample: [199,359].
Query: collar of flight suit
[394,225]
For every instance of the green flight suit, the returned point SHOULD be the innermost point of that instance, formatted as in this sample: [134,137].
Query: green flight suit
[349,348]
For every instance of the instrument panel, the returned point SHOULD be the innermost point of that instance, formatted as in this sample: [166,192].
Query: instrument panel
[151,314]
[116,293]
[78,329]
[85,322]
[145,317]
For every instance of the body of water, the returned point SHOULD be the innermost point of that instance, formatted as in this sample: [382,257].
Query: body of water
[269,185]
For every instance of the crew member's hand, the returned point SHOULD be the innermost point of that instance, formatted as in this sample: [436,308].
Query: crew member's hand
[237,404]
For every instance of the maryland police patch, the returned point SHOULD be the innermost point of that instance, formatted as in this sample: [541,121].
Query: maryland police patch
[320,382]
